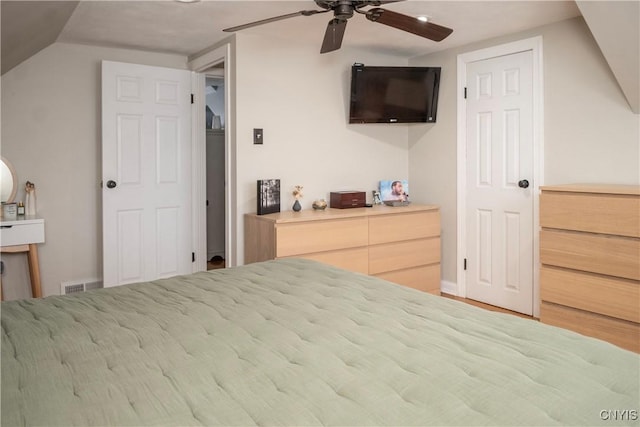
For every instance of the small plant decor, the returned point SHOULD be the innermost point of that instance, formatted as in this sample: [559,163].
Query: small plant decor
[297,194]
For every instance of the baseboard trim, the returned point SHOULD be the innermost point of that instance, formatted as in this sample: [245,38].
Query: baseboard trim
[450,288]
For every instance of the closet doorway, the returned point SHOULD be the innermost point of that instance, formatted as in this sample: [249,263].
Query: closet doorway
[215,120]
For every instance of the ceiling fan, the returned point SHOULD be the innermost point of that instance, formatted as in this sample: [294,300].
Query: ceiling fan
[344,9]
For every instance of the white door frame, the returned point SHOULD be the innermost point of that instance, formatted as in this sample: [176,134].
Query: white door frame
[199,65]
[535,45]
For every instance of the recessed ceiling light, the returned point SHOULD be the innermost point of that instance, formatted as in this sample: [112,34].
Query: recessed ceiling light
[423,18]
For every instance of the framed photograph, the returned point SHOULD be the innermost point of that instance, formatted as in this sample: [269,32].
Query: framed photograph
[268,196]
[394,190]
[376,197]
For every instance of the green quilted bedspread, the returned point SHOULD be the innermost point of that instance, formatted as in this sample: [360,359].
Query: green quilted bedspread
[294,342]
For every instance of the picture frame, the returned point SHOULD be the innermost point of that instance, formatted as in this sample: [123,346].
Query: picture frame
[375,194]
[392,190]
[268,194]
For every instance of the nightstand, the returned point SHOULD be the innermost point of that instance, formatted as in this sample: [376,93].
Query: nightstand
[23,235]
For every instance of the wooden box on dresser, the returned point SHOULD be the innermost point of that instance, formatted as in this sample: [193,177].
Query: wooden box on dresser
[399,244]
[590,256]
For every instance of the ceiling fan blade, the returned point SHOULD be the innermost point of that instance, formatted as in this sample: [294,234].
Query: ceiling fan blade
[274,19]
[408,23]
[333,36]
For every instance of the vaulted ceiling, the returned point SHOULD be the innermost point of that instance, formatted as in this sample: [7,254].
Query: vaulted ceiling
[29,27]
[188,28]
[615,26]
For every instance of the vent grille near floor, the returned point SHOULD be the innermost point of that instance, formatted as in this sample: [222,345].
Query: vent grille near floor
[67,288]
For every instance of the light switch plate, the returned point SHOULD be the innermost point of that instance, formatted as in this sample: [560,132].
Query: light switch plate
[257,136]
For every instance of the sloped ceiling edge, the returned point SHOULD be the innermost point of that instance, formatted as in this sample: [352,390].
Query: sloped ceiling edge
[30,26]
[615,26]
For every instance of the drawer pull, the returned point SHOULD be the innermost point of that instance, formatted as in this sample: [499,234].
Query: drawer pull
[6,226]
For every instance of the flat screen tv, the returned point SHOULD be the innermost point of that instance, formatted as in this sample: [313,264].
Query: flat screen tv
[394,94]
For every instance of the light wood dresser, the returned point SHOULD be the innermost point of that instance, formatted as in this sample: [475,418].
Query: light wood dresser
[590,256]
[399,244]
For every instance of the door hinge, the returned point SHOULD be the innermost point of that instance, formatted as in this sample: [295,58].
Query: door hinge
[192,98]
[465,93]
[465,264]
[193,257]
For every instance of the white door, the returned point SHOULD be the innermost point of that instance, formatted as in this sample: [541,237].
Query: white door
[146,172]
[499,213]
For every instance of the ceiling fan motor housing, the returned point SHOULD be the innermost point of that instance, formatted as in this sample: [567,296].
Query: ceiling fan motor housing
[342,9]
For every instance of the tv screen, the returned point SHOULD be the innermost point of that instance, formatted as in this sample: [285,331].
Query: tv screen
[394,94]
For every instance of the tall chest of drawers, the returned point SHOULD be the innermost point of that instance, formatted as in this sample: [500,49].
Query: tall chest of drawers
[399,244]
[590,256]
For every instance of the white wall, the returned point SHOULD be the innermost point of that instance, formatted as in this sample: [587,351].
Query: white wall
[300,98]
[51,133]
[591,134]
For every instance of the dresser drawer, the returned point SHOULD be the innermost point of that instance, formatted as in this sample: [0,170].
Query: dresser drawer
[600,294]
[424,278]
[350,259]
[596,213]
[319,236]
[397,256]
[596,253]
[22,234]
[619,332]
[393,228]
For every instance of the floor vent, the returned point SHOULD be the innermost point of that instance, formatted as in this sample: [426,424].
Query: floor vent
[79,286]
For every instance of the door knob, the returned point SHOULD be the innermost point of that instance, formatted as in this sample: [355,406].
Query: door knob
[111,184]
[522,184]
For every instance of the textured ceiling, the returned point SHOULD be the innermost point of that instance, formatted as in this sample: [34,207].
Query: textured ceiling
[188,28]
[171,26]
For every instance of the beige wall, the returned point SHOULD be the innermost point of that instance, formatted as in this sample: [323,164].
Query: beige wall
[300,98]
[590,133]
[51,134]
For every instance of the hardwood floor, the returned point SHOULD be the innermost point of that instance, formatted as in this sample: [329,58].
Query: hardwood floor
[215,263]
[487,306]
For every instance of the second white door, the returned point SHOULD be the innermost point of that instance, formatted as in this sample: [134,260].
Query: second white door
[499,200]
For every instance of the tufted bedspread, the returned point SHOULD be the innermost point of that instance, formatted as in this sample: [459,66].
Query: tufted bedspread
[294,342]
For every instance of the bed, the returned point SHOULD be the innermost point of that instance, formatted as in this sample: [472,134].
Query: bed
[296,342]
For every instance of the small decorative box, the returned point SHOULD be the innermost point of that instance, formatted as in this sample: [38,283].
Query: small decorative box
[347,199]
